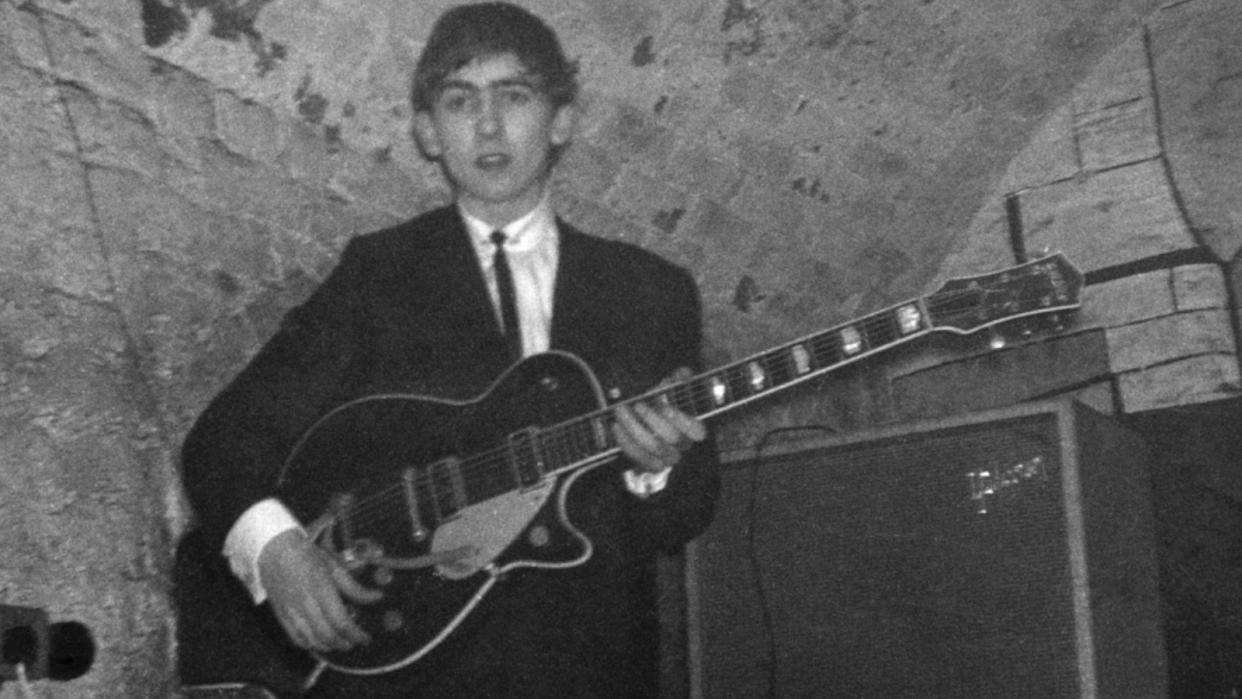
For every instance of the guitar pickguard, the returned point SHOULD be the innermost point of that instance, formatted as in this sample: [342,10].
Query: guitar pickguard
[488,528]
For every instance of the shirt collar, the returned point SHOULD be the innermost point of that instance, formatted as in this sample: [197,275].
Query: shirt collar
[535,228]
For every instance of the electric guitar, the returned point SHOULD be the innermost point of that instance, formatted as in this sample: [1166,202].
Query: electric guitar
[455,494]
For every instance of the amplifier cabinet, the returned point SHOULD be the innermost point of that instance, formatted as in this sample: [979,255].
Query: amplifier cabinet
[1004,554]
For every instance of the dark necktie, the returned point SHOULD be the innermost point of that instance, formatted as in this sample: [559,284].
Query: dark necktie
[508,302]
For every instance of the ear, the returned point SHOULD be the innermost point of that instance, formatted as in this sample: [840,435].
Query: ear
[427,135]
[564,124]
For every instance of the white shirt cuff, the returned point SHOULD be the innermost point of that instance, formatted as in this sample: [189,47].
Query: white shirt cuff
[250,533]
[646,483]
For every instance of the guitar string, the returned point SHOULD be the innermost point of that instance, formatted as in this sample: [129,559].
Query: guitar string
[687,395]
[567,436]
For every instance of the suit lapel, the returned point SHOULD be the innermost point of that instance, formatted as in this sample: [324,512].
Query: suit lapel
[447,271]
[571,306]
[454,267]
[584,321]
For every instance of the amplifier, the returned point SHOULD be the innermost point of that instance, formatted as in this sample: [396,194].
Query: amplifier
[1007,554]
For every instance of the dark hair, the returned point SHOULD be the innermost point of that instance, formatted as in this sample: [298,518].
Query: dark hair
[468,32]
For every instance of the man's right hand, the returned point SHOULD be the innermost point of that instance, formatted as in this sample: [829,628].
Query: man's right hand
[305,586]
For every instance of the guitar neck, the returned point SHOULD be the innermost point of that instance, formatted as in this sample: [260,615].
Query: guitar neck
[704,396]
[1041,287]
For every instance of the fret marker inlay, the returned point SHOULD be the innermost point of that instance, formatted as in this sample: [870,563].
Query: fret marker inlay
[758,379]
[802,359]
[851,340]
[910,319]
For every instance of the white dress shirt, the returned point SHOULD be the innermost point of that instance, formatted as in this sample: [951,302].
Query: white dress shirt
[532,245]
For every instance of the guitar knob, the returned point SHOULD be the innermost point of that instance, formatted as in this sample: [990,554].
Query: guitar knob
[392,621]
[539,536]
[382,576]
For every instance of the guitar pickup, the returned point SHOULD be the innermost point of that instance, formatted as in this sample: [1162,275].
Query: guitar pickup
[525,457]
[448,488]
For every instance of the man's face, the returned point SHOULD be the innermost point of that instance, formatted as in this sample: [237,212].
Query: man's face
[493,130]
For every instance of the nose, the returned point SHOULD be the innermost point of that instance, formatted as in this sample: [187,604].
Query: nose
[487,120]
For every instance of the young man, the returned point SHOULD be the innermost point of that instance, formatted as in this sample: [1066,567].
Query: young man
[422,309]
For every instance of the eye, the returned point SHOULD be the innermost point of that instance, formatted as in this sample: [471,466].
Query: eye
[517,95]
[455,101]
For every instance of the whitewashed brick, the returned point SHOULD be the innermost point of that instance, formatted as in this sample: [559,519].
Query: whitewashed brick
[1168,338]
[1194,380]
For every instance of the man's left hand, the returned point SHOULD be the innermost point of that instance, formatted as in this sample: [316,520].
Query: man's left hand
[654,434]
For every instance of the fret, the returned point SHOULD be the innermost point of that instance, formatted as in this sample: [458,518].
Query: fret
[701,399]
[682,398]
[781,366]
[738,379]
[704,401]
[883,329]
[826,350]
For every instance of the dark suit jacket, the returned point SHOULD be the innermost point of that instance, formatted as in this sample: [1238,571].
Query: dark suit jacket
[406,309]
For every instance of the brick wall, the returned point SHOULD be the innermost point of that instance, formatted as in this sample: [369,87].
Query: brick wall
[1106,182]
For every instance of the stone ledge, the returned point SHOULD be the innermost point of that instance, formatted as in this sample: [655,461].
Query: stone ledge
[1183,382]
[1169,338]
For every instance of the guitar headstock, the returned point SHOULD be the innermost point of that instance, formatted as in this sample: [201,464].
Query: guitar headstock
[1048,286]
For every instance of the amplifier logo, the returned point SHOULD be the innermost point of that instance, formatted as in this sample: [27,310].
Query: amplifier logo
[986,483]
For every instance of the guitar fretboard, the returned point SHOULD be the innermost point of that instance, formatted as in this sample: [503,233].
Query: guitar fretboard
[717,391]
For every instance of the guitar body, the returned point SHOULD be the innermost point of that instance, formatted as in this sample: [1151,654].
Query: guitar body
[384,480]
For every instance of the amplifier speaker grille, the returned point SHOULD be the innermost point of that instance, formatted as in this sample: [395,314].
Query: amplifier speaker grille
[1007,554]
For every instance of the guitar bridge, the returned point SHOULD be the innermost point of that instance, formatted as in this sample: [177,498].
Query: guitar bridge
[409,479]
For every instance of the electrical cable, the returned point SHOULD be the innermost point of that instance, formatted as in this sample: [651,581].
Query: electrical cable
[765,610]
